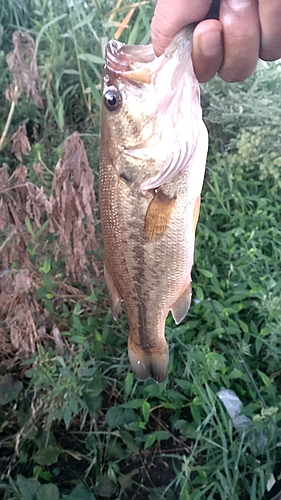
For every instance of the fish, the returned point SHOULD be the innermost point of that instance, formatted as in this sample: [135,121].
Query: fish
[152,162]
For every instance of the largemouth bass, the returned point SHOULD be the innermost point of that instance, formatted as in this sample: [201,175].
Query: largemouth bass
[153,154]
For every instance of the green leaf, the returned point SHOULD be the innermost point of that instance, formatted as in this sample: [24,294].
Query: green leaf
[114,416]
[10,388]
[77,308]
[135,403]
[105,487]
[86,20]
[128,385]
[126,480]
[28,487]
[93,402]
[237,374]
[91,58]
[31,248]
[162,435]
[60,115]
[29,227]
[61,361]
[266,380]
[44,28]
[145,411]
[216,284]
[129,441]
[47,456]
[195,412]
[87,370]
[41,229]
[243,326]
[80,492]
[184,384]
[48,492]
[206,273]
[164,493]
[199,293]
[95,92]
[67,416]
[215,361]
[46,266]
[150,440]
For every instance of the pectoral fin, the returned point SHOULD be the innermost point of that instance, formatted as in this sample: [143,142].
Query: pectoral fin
[196,211]
[181,306]
[158,215]
[113,295]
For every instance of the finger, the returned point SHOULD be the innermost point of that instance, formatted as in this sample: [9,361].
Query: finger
[270,18]
[207,53]
[241,28]
[171,16]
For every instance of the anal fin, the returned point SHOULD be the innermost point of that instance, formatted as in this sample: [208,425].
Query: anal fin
[113,294]
[181,306]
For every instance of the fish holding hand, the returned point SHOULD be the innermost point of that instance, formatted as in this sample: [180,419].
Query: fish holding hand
[152,163]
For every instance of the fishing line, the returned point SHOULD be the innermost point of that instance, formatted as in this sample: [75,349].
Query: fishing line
[247,371]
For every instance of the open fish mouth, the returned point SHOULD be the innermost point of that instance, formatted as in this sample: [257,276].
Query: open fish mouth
[115,58]
[129,61]
[139,64]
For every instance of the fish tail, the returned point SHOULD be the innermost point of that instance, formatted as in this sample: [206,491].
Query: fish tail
[147,363]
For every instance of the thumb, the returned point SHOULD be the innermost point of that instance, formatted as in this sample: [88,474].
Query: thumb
[171,16]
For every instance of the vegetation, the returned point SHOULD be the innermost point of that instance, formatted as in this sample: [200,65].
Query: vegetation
[74,423]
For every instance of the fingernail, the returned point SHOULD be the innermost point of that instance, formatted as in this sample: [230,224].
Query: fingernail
[238,4]
[210,43]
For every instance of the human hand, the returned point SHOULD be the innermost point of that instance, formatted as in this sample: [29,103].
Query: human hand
[230,35]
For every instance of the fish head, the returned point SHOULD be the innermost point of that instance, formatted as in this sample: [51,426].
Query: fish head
[125,103]
[151,114]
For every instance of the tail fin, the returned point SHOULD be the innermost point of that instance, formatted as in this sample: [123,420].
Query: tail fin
[151,362]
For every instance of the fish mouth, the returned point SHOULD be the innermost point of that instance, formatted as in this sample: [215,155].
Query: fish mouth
[138,63]
[115,58]
[129,61]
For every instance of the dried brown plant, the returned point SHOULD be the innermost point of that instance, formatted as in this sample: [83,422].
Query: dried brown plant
[19,199]
[23,66]
[13,249]
[73,202]
[69,210]
[19,310]
[70,215]
[20,143]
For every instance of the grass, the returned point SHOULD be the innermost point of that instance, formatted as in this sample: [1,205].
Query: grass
[74,423]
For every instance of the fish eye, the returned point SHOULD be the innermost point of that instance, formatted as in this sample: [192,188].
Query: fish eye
[112,99]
